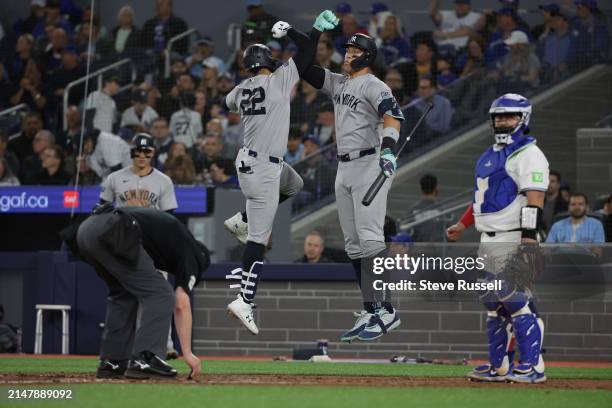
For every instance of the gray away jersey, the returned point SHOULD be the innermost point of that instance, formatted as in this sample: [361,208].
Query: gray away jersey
[359,106]
[263,103]
[156,189]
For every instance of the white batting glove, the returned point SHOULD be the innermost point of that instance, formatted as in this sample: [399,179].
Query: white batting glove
[280,28]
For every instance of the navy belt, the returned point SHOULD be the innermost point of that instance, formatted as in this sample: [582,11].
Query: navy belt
[273,159]
[492,234]
[346,157]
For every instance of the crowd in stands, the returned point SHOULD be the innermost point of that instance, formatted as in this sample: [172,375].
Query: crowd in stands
[467,58]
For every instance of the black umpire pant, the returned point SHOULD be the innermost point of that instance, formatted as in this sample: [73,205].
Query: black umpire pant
[140,301]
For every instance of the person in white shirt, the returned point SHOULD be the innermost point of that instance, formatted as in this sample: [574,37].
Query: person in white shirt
[109,152]
[454,26]
[140,113]
[185,123]
[105,107]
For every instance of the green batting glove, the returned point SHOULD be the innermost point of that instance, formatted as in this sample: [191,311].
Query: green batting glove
[326,21]
[387,162]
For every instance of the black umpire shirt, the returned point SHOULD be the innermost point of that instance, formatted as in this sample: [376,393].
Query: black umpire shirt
[171,246]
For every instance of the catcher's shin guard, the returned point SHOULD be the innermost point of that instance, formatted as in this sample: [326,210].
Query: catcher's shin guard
[499,332]
[529,332]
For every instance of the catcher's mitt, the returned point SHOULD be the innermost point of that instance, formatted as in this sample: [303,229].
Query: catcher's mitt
[522,267]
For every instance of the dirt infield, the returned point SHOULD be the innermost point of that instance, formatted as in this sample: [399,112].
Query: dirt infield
[304,380]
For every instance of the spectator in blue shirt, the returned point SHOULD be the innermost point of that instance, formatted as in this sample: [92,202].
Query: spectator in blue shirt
[577,228]
[395,48]
[590,37]
[507,22]
[53,17]
[295,148]
[555,47]
[446,56]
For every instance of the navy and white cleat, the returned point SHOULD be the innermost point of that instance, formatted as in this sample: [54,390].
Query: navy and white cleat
[237,227]
[380,323]
[363,318]
[486,373]
[526,374]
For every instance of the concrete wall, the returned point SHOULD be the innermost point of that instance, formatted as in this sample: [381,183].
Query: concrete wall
[594,162]
[296,314]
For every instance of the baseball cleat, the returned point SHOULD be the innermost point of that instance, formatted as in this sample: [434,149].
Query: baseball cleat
[380,323]
[243,311]
[526,374]
[363,318]
[486,373]
[237,227]
[111,368]
[146,365]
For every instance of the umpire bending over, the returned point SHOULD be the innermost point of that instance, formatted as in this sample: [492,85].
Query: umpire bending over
[126,246]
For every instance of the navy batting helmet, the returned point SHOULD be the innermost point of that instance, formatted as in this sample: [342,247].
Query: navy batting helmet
[140,142]
[258,56]
[367,45]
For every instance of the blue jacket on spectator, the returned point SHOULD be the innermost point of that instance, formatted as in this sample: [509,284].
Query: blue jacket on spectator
[590,231]
[590,41]
[396,50]
[555,50]
[439,119]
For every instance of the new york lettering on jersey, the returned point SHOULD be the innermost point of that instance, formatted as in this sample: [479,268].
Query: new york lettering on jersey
[139,194]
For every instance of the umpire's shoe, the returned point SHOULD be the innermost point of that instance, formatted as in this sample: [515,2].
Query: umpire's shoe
[147,365]
[243,311]
[486,373]
[237,227]
[363,318]
[111,368]
[380,323]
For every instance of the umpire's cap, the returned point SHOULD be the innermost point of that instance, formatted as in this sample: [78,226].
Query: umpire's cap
[258,56]
[367,45]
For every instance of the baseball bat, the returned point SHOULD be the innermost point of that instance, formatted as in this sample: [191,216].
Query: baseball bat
[380,180]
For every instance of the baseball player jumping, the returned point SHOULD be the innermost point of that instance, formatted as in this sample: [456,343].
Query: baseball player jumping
[368,120]
[141,185]
[511,181]
[265,179]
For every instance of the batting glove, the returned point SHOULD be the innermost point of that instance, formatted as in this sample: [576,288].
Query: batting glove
[280,28]
[387,162]
[326,21]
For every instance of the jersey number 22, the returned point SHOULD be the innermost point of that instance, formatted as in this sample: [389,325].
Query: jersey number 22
[252,97]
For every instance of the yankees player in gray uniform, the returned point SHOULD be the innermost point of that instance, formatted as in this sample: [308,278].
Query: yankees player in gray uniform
[141,185]
[367,124]
[265,179]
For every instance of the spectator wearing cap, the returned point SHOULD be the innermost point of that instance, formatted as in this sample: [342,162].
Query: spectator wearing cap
[140,113]
[295,148]
[507,23]
[103,104]
[446,56]
[204,51]
[378,14]
[318,176]
[590,36]
[258,25]
[125,36]
[53,17]
[520,68]
[342,8]
[454,27]
[324,128]
[395,48]
[514,5]
[540,31]
[37,14]
[158,30]
[555,48]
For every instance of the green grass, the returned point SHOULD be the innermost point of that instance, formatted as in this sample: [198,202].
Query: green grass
[77,365]
[167,395]
[199,395]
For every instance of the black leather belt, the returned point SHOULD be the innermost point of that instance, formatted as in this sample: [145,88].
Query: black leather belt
[273,159]
[492,234]
[346,157]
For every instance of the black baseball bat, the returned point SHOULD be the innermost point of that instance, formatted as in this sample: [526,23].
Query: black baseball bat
[380,180]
